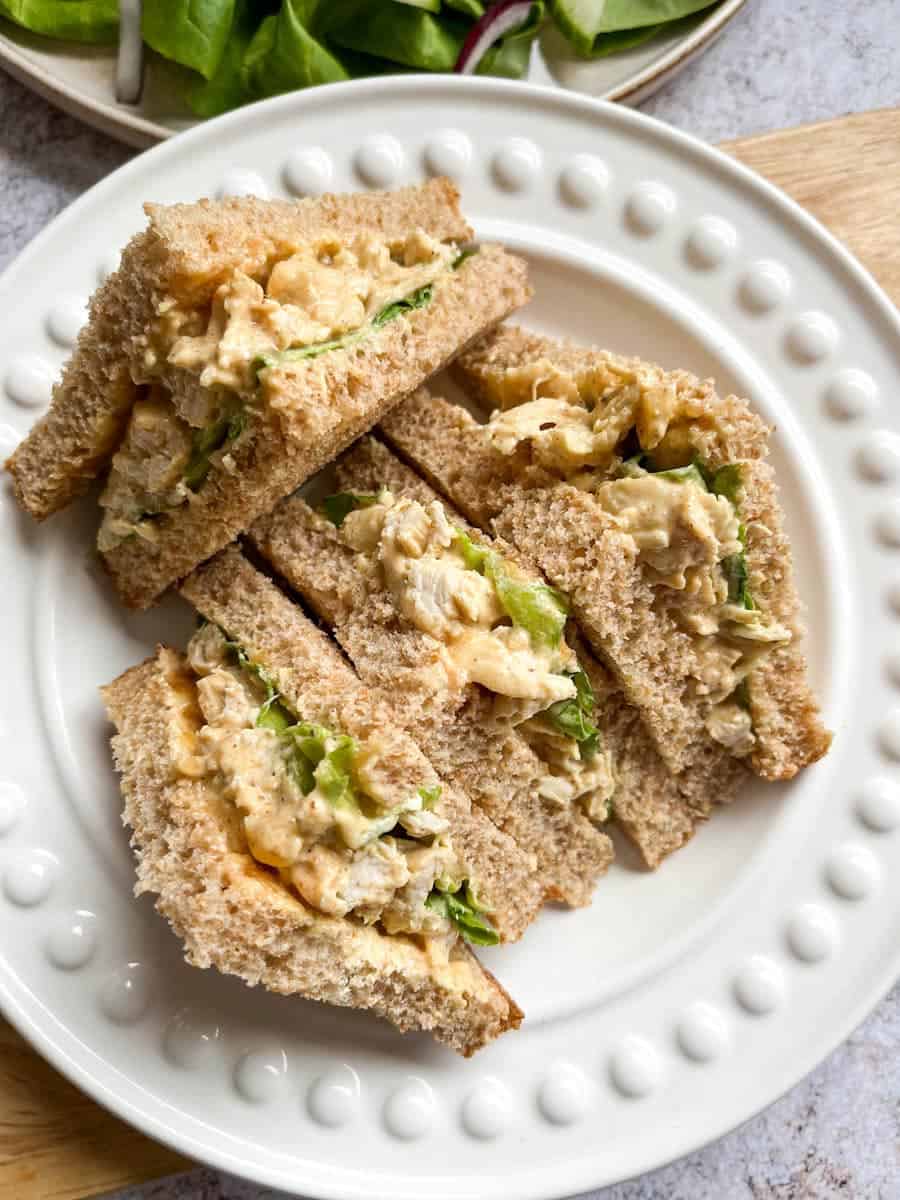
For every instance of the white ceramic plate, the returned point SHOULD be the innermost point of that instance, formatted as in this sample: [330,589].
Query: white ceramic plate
[80,79]
[681,1002]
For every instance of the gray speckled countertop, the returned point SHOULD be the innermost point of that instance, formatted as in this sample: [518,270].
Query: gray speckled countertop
[781,63]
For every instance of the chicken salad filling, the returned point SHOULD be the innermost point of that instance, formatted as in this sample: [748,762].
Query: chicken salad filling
[628,438]
[337,817]
[326,296]
[310,300]
[494,627]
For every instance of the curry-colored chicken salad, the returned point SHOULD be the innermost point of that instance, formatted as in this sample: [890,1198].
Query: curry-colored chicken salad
[493,627]
[326,296]
[337,817]
[633,446]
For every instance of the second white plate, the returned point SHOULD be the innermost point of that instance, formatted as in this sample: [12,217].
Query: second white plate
[81,79]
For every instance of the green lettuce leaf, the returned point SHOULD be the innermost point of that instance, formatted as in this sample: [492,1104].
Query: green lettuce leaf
[224,90]
[536,607]
[227,429]
[273,715]
[430,795]
[338,507]
[70,20]
[243,660]
[725,481]
[417,299]
[735,570]
[728,481]
[461,909]
[689,474]
[463,256]
[286,52]
[572,718]
[414,300]
[191,32]
[334,770]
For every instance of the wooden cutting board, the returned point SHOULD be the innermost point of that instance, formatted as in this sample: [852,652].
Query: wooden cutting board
[54,1142]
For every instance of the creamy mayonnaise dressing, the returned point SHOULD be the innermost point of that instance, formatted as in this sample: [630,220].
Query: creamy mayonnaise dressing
[413,548]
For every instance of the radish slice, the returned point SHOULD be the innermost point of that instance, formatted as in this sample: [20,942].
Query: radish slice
[499,20]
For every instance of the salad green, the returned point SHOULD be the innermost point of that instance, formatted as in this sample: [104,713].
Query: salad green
[461,908]
[321,758]
[206,441]
[536,607]
[600,27]
[69,20]
[417,299]
[338,507]
[573,718]
[235,51]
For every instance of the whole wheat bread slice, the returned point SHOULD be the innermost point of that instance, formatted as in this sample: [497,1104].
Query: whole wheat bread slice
[238,917]
[321,686]
[458,731]
[185,253]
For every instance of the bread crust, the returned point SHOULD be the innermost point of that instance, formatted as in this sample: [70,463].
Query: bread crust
[185,253]
[237,916]
[319,683]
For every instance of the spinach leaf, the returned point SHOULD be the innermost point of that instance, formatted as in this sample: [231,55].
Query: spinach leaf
[286,52]
[572,718]
[460,908]
[70,20]
[224,89]
[337,507]
[469,8]
[191,32]
[536,607]
[618,40]
[587,23]
[409,36]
